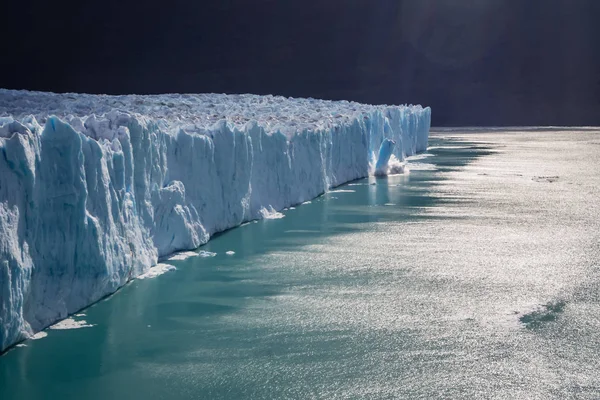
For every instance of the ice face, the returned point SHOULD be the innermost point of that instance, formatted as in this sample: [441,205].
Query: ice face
[94,189]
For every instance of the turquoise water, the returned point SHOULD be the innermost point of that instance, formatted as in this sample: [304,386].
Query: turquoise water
[477,275]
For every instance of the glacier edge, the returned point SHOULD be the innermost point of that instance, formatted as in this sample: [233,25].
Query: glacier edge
[89,202]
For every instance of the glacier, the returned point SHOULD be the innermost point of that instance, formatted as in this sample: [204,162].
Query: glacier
[95,189]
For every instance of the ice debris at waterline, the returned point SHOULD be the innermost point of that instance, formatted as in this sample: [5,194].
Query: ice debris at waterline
[184,255]
[156,270]
[70,323]
[387,163]
[94,189]
[385,152]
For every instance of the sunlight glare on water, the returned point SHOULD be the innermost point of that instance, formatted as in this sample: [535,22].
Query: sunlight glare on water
[476,276]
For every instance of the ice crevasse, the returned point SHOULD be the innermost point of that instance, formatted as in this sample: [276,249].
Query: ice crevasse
[94,189]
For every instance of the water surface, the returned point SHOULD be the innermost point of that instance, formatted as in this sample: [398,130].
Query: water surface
[477,275]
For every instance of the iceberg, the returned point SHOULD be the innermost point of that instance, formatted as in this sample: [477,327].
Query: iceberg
[94,189]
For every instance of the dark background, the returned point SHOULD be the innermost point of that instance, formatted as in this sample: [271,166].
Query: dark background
[475,62]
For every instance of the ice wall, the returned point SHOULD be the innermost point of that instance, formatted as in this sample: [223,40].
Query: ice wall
[94,189]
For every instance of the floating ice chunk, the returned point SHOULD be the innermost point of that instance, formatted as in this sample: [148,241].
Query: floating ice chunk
[21,345]
[70,323]
[39,335]
[182,256]
[230,252]
[270,213]
[307,202]
[342,191]
[80,315]
[204,253]
[157,270]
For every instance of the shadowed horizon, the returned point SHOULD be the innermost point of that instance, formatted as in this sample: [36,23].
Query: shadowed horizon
[483,63]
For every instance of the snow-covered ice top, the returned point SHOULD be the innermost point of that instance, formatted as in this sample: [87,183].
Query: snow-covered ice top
[190,112]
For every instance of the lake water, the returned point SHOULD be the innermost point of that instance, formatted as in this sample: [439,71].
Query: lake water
[476,275]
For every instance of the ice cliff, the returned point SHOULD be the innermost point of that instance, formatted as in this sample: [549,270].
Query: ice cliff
[94,189]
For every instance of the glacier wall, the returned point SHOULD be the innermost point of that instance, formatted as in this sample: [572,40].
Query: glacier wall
[94,189]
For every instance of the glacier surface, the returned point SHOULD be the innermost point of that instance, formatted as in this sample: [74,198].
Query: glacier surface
[94,189]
